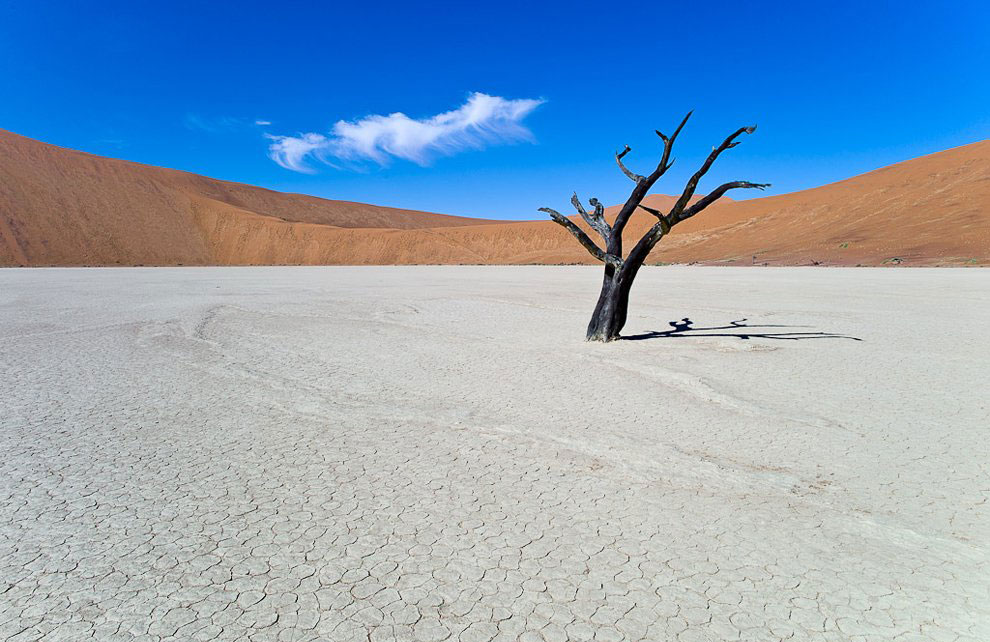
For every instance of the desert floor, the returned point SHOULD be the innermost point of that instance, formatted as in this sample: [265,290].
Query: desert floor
[435,453]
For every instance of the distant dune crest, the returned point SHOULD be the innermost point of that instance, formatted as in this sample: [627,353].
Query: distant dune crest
[64,207]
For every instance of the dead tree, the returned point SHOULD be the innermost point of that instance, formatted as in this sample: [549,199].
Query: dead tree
[610,313]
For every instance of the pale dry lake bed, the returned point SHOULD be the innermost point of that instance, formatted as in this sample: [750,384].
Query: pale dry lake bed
[434,453]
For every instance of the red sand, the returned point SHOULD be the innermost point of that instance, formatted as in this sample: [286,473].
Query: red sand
[63,207]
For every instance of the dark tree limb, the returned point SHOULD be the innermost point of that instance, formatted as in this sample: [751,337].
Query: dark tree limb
[668,145]
[670,141]
[595,220]
[643,187]
[716,194]
[634,177]
[583,238]
[692,184]
[652,211]
[662,227]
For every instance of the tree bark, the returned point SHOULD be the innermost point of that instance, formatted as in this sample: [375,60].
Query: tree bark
[609,316]
[604,324]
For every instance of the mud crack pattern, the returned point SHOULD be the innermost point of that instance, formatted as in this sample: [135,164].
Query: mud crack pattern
[433,454]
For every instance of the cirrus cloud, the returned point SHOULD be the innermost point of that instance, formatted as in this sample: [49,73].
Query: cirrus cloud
[481,121]
[291,151]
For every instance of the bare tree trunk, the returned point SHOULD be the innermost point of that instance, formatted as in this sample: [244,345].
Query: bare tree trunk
[610,312]
[605,324]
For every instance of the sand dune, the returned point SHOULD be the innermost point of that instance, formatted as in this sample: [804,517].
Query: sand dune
[63,207]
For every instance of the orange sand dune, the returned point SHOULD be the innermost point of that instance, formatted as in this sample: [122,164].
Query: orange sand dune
[63,207]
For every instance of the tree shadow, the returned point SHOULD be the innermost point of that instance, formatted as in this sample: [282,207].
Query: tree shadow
[685,328]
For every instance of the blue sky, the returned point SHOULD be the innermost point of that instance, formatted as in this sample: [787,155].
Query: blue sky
[836,89]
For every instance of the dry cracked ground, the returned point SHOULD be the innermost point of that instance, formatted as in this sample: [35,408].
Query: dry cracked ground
[435,454]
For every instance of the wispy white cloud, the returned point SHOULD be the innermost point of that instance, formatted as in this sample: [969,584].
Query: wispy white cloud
[262,122]
[483,120]
[291,151]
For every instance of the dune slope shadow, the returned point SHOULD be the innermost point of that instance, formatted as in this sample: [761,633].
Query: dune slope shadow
[685,328]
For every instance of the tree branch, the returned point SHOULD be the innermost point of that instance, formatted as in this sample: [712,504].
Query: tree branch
[634,177]
[662,227]
[716,194]
[668,146]
[643,187]
[652,211]
[692,184]
[583,238]
[596,220]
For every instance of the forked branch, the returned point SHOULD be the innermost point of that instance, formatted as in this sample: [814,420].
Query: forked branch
[583,238]
[643,187]
[692,184]
[668,146]
[662,227]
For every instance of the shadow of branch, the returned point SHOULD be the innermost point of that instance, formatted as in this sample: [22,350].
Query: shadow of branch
[685,329]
